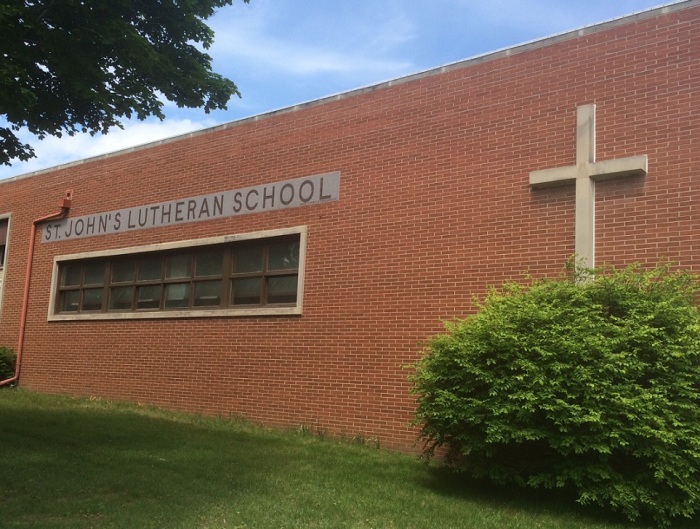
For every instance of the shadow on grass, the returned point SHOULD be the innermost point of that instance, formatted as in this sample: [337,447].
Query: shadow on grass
[560,502]
[71,467]
[73,464]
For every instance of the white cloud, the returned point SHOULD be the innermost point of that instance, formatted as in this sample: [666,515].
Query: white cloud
[543,18]
[319,40]
[303,60]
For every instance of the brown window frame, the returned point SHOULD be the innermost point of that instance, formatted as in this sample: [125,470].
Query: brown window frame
[78,297]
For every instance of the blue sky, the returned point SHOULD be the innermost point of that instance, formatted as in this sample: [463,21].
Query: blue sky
[283,52]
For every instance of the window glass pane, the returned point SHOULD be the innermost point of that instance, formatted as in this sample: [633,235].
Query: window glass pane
[283,256]
[123,271]
[71,275]
[209,263]
[3,240]
[92,299]
[248,259]
[150,268]
[177,296]
[148,297]
[247,291]
[121,298]
[94,274]
[282,289]
[69,301]
[178,266]
[207,293]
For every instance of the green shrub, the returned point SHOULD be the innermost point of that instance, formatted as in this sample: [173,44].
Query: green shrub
[589,385]
[7,363]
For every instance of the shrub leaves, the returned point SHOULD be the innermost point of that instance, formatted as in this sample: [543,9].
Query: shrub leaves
[592,385]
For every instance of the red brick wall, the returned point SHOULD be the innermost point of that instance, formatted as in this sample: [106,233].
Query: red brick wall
[434,207]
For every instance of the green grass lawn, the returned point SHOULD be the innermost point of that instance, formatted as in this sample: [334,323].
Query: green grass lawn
[75,463]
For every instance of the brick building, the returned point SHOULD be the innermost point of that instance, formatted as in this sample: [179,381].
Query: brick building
[288,266]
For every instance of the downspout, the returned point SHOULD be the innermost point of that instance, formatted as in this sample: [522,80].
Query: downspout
[64,204]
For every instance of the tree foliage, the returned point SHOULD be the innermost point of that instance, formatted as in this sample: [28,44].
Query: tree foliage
[69,66]
[588,385]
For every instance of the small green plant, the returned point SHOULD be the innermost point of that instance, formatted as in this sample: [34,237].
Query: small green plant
[590,383]
[8,359]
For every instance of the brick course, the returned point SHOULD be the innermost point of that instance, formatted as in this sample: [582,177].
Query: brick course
[434,207]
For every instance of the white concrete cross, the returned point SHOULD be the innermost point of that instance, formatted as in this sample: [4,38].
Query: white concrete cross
[585,173]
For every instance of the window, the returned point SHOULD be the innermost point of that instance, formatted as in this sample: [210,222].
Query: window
[4,225]
[216,277]
[3,241]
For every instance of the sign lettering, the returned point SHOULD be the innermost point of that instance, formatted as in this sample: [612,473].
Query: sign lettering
[304,191]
